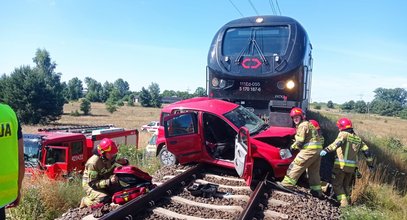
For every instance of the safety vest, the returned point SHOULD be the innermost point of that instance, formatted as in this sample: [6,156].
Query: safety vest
[347,153]
[9,155]
[308,135]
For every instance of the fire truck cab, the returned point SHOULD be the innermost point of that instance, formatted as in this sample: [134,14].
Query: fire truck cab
[59,152]
[224,134]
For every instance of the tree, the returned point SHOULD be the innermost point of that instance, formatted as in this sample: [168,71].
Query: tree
[386,108]
[130,100]
[36,94]
[403,113]
[348,106]
[330,104]
[85,106]
[154,90]
[183,95]
[360,107]
[111,106]
[200,92]
[74,89]
[122,87]
[169,93]
[145,98]
[95,90]
[107,89]
[389,101]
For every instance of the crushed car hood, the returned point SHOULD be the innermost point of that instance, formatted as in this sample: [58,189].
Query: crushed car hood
[275,132]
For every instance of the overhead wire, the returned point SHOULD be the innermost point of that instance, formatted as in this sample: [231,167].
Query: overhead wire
[278,7]
[272,7]
[254,8]
[236,8]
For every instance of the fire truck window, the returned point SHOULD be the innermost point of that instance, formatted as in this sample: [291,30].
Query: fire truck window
[181,125]
[77,148]
[55,155]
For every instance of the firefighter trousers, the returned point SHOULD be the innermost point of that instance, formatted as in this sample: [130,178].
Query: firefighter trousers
[342,185]
[305,159]
[94,197]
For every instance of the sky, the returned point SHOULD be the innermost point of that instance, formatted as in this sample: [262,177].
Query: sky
[358,45]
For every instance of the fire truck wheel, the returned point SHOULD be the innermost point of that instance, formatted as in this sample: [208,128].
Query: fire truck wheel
[166,157]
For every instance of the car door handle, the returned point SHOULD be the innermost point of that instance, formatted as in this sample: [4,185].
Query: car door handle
[173,142]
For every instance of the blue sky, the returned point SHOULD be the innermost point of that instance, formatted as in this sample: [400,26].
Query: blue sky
[359,45]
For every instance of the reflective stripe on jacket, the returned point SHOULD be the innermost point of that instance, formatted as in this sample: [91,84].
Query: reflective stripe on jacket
[347,146]
[9,154]
[97,173]
[306,137]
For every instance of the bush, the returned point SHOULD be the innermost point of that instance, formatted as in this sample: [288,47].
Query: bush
[85,106]
[75,113]
[137,157]
[317,106]
[43,198]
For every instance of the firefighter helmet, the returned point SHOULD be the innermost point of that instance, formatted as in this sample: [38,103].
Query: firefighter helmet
[344,123]
[315,123]
[107,145]
[297,112]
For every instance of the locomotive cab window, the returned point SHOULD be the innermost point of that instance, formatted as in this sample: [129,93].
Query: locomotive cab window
[271,40]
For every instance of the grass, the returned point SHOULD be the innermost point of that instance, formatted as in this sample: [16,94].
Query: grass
[43,198]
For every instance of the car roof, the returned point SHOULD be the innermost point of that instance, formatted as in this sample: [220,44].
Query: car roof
[216,106]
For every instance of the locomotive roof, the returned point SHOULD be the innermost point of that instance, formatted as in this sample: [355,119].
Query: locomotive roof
[216,106]
[267,19]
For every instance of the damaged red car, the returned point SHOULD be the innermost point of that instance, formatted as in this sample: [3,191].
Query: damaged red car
[223,134]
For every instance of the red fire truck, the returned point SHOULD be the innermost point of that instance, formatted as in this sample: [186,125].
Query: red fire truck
[61,151]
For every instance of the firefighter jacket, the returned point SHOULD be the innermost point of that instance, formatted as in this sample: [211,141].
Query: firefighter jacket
[306,137]
[9,152]
[347,146]
[97,173]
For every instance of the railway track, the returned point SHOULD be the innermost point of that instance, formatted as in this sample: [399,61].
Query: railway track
[231,199]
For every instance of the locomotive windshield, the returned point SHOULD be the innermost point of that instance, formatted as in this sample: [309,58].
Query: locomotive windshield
[271,40]
[240,116]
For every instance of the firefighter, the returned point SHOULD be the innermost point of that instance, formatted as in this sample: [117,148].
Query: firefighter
[12,162]
[308,142]
[347,146]
[98,180]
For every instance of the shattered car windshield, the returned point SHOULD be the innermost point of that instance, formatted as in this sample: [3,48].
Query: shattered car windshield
[240,116]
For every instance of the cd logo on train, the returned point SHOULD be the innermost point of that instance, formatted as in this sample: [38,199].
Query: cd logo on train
[251,63]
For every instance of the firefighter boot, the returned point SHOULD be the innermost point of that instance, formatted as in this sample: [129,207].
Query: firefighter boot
[82,205]
[344,202]
[317,194]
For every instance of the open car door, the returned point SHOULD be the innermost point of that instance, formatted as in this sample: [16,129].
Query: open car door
[243,155]
[182,138]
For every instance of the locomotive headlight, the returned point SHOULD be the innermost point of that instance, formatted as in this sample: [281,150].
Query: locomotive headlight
[222,83]
[259,20]
[290,84]
[215,82]
[285,153]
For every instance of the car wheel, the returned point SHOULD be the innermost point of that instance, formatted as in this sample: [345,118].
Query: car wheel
[166,158]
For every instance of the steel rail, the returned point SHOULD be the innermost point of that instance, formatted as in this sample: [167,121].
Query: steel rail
[140,204]
[253,203]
